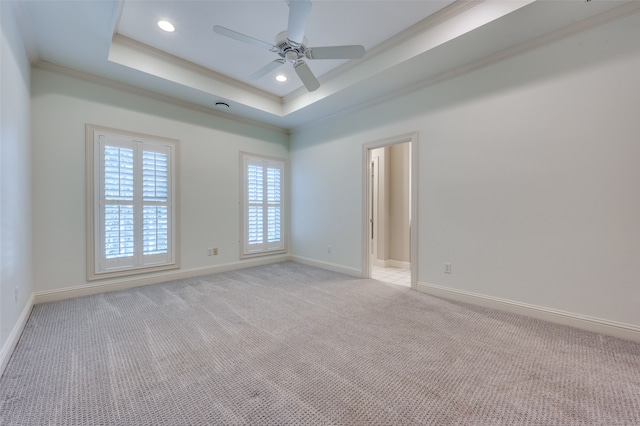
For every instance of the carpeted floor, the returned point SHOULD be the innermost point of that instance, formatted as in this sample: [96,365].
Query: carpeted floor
[291,344]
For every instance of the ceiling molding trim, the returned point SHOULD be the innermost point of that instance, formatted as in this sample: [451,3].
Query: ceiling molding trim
[542,40]
[91,78]
[147,59]
[440,17]
[430,22]
[442,29]
[24,25]
[152,51]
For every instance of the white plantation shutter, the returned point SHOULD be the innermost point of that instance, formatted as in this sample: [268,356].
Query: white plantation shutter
[274,224]
[155,199]
[254,202]
[133,203]
[117,203]
[263,183]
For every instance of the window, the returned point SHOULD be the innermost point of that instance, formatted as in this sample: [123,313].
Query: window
[263,209]
[132,204]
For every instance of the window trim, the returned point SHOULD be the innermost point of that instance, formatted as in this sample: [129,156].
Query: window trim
[284,203]
[92,168]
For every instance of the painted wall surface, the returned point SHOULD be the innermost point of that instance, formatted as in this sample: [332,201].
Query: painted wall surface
[529,182]
[209,172]
[15,175]
[399,201]
[326,198]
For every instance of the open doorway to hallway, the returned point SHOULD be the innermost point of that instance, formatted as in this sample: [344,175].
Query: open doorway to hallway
[390,216]
[390,205]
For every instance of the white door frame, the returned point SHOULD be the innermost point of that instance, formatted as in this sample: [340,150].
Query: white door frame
[366,201]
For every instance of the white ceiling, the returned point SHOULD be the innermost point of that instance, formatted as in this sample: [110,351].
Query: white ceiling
[330,23]
[409,44]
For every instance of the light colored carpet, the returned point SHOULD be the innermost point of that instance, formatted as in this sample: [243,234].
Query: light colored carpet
[291,344]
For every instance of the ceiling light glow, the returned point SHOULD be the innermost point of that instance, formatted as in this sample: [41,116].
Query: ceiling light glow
[166,26]
[281,78]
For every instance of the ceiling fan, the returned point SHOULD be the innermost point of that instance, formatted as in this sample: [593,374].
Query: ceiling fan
[291,46]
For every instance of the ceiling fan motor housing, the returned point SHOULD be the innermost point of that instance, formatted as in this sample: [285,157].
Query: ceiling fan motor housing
[288,50]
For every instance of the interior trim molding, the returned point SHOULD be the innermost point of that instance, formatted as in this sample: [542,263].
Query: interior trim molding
[441,16]
[92,78]
[625,9]
[14,336]
[584,322]
[124,283]
[144,49]
[399,264]
[328,265]
[414,203]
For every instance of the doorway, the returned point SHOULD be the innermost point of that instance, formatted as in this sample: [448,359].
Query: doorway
[390,210]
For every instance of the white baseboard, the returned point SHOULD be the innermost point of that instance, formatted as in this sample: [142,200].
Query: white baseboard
[392,263]
[379,263]
[597,325]
[14,336]
[327,265]
[137,281]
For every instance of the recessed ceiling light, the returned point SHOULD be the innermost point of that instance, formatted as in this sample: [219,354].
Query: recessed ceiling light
[281,78]
[167,26]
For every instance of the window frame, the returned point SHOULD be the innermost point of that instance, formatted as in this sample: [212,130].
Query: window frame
[94,155]
[245,159]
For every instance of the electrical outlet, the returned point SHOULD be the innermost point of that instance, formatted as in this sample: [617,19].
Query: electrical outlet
[15,294]
[215,251]
[447,268]
[210,252]
[329,249]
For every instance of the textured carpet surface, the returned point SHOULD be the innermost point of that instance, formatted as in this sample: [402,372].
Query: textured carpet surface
[290,344]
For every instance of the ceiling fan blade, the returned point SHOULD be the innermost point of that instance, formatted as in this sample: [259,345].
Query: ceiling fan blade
[266,69]
[335,52]
[244,38]
[299,11]
[308,79]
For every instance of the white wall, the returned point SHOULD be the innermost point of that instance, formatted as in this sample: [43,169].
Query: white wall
[326,197]
[209,172]
[528,177]
[15,183]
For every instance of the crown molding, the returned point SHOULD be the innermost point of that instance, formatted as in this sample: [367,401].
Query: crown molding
[430,22]
[440,17]
[556,35]
[48,66]
[145,49]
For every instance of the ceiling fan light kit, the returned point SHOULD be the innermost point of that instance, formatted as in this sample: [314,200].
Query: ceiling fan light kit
[291,46]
